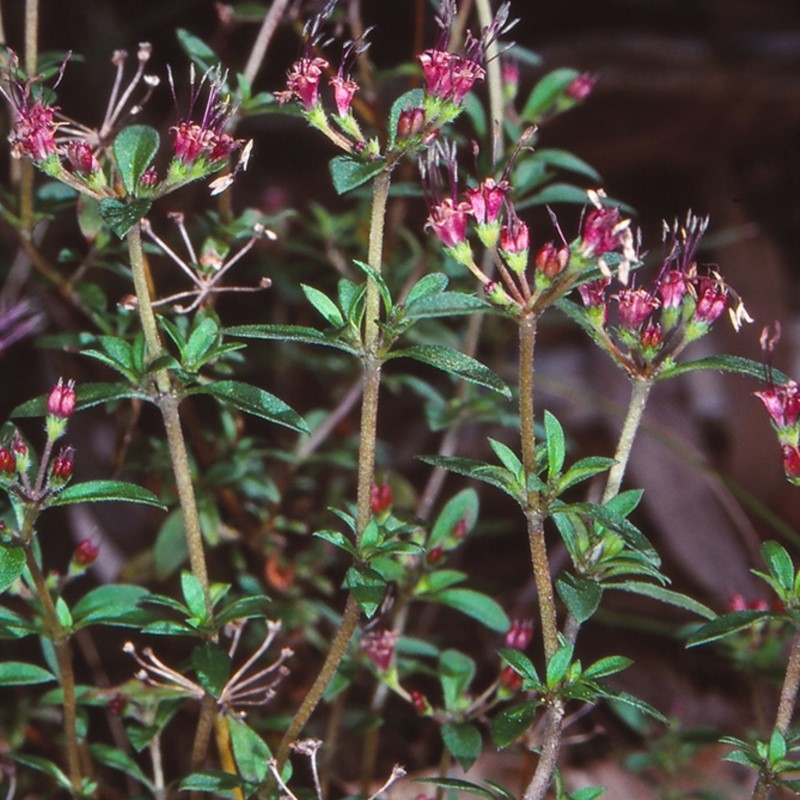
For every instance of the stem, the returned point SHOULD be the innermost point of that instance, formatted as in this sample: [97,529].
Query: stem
[639,394]
[168,403]
[263,39]
[223,737]
[60,639]
[786,704]
[537,788]
[494,79]
[533,512]
[31,65]
[366,461]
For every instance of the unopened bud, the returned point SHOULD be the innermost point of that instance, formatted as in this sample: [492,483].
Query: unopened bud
[435,555]
[380,498]
[62,467]
[86,553]
[510,679]
[61,401]
[420,702]
[519,635]
[582,86]
[8,462]
[551,261]
[410,122]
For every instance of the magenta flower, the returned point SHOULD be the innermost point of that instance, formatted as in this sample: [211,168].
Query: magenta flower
[82,158]
[519,635]
[634,307]
[791,461]
[302,82]
[63,465]
[448,220]
[486,201]
[712,298]
[515,237]
[672,287]
[582,86]
[593,293]
[603,231]
[449,76]
[782,404]
[205,139]
[551,261]
[651,336]
[344,90]
[379,646]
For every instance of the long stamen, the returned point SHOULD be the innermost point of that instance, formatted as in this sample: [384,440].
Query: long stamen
[148,230]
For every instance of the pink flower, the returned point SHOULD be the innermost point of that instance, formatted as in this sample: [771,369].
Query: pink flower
[582,86]
[551,261]
[519,635]
[603,231]
[593,293]
[515,237]
[651,336]
[82,158]
[448,220]
[380,498]
[61,400]
[86,553]
[712,297]
[634,307]
[791,461]
[486,201]
[449,76]
[302,82]
[672,287]
[379,646]
[782,404]
[343,91]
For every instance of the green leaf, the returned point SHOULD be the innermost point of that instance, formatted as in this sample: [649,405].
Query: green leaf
[558,665]
[18,673]
[726,625]
[347,173]
[565,160]
[430,285]
[508,458]
[410,100]
[86,396]
[289,333]
[255,401]
[455,363]
[134,149]
[13,626]
[546,94]
[212,665]
[480,471]
[201,340]
[437,580]
[777,747]
[368,588]
[326,307]
[556,446]
[121,216]
[250,751]
[338,539]
[111,604]
[458,785]
[193,595]
[43,765]
[779,563]
[512,722]
[463,742]
[619,696]
[107,491]
[582,470]
[114,758]
[170,551]
[664,595]
[581,596]
[253,606]
[555,193]
[476,605]
[456,671]
[727,363]
[610,665]
[446,304]
[197,50]
[521,664]
[212,782]
[460,512]
[12,562]
[378,280]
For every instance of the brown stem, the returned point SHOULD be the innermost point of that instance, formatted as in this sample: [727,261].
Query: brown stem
[265,33]
[533,512]
[554,719]
[786,704]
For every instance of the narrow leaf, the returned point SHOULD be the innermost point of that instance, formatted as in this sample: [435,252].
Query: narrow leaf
[459,785]
[480,471]
[368,588]
[18,673]
[107,491]
[111,604]
[728,624]
[12,562]
[115,758]
[455,363]
[326,307]
[664,595]
[456,519]
[581,596]
[512,722]
[255,401]
[212,665]
[556,446]
[463,742]
[476,605]
[289,333]
[727,363]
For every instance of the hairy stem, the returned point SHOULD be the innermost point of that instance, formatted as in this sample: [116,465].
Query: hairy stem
[639,394]
[168,403]
[533,512]
[494,79]
[786,704]
[366,459]
[554,724]
[31,67]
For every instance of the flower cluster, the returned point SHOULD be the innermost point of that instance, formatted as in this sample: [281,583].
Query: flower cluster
[783,406]
[488,207]
[78,155]
[644,329]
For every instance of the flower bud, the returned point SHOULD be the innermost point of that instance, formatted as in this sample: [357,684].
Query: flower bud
[379,646]
[651,336]
[515,244]
[380,498]
[410,122]
[519,635]
[551,261]
[61,401]
[791,462]
[582,86]
[86,553]
[435,555]
[510,679]
[61,468]
[8,463]
[420,702]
